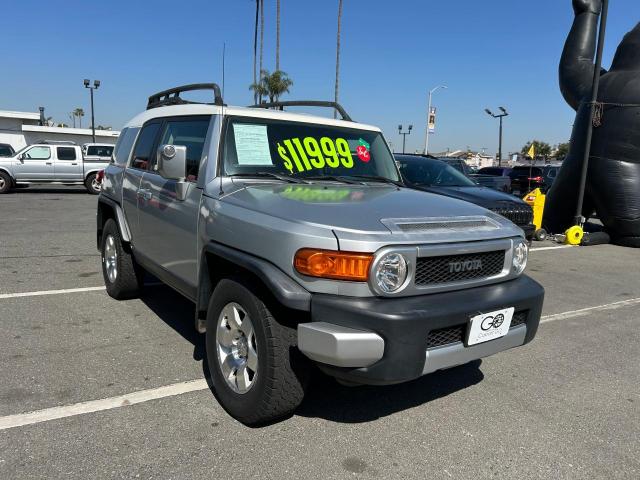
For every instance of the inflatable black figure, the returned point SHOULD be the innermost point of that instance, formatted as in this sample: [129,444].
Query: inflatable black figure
[613,179]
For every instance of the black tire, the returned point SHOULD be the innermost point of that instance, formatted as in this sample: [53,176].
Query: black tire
[282,372]
[90,184]
[541,235]
[127,282]
[5,182]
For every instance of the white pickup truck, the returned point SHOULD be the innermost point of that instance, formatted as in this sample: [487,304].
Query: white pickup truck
[51,162]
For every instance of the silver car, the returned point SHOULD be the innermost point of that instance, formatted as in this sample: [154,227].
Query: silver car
[299,245]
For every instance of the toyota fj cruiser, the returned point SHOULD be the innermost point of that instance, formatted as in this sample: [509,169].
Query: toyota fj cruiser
[299,245]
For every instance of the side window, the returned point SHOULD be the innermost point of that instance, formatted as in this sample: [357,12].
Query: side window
[143,152]
[191,134]
[66,153]
[124,145]
[38,153]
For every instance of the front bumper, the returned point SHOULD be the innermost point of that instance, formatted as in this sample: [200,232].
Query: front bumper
[529,231]
[383,341]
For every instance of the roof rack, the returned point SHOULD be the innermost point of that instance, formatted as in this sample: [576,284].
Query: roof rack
[306,103]
[55,142]
[172,96]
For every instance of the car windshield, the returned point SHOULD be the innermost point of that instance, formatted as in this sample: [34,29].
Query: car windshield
[255,146]
[431,173]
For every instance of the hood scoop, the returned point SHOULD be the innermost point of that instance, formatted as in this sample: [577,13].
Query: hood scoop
[441,225]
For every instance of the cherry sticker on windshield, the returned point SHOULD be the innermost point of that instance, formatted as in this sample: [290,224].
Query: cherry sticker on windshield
[363,151]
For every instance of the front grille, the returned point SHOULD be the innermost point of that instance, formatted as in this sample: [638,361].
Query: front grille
[457,268]
[518,214]
[456,334]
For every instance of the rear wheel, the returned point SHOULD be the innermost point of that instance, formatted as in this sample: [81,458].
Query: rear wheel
[5,182]
[92,185]
[541,235]
[257,373]
[122,276]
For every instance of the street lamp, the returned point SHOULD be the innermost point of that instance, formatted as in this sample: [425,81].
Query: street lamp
[96,84]
[500,117]
[426,138]
[404,135]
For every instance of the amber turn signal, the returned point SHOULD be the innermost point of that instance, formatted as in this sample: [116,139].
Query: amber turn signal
[334,265]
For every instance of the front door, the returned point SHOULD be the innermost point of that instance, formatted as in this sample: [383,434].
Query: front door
[67,165]
[35,163]
[169,225]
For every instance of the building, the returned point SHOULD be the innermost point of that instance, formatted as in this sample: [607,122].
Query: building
[20,129]
[473,159]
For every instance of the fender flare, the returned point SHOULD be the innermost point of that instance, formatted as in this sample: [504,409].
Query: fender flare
[125,233]
[285,289]
[95,170]
[5,170]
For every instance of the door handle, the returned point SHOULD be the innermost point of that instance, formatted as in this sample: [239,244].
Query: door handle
[48,163]
[145,194]
[74,164]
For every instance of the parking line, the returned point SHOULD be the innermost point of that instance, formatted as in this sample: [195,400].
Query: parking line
[597,308]
[542,249]
[54,413]
[50,292]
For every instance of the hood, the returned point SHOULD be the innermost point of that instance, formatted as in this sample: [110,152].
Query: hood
[483,196]
[351,208]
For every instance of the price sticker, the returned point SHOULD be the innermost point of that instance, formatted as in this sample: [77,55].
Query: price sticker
[301,155]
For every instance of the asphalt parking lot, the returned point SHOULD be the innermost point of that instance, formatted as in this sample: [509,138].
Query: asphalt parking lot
[565,406]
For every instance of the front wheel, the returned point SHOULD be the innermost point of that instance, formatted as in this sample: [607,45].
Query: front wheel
[122,276]
[5,182]
[257,373]
[92,185]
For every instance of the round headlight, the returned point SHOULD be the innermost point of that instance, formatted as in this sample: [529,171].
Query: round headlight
[520,255]
[390,272]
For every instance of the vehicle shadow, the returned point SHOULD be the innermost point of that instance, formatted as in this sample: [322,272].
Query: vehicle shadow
[326,398]
[55,189]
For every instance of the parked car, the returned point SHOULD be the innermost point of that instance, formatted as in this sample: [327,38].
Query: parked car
[49,162]
[298,244]
[495,171]
[97,152]
[6,150]
[500,183]
[549,174]
[526,178]
[439,177]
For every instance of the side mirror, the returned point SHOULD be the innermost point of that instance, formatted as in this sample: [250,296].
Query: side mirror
[21,157]
[172,161]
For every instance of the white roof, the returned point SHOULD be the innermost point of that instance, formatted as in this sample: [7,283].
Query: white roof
[22,115]
[196,109]
[70,131]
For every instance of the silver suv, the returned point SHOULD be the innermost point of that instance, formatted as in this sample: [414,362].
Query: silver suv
[299,246]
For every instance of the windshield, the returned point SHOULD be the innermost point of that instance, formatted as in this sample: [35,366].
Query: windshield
[304,150]
[431,173]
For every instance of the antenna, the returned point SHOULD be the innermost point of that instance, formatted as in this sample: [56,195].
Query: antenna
[224,48]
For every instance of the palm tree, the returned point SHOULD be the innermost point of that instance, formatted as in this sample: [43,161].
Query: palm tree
[255,52]
[338,54]
[277,35]
[72,116]
[272,85]
[78,112]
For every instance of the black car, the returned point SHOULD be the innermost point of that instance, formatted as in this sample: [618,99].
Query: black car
[435,176]
[525,179]
[549,174]
[6,150]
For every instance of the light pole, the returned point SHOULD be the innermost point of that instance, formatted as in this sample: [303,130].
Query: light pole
[500,117]
[404,135]
[96,84]
[426,138]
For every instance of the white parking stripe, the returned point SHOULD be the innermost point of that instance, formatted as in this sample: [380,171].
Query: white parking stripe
[582,311]
[542,249]
[50,292]
[39,416]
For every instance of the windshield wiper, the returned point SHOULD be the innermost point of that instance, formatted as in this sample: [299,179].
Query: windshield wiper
[277,176]
[335,178]
[376,178]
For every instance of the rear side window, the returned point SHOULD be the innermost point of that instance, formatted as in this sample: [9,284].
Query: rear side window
[124,145]
[143,153]
[192,134]
[66,153]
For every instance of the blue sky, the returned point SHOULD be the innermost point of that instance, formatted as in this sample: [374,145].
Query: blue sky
[490,53]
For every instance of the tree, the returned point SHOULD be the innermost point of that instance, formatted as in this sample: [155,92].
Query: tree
[79,112]
[562,151]
[338,54]
[63,125]
[542,149]
[277,35]
[272,85]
